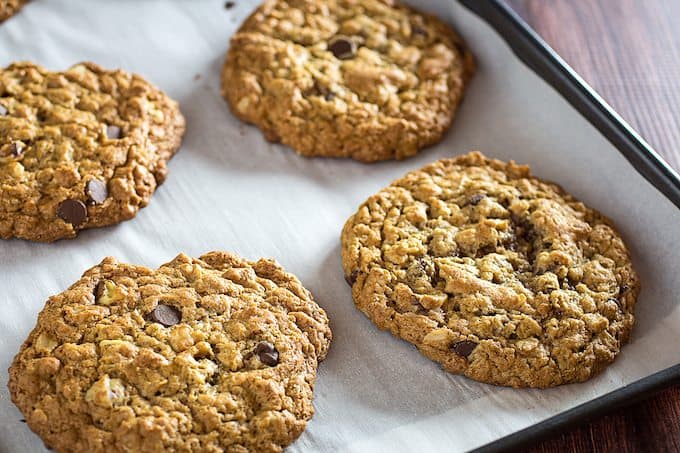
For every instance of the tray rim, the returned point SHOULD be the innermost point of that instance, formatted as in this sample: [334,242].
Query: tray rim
[550,67]
[535,53]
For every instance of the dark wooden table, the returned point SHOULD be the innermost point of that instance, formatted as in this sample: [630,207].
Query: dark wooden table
[629,51]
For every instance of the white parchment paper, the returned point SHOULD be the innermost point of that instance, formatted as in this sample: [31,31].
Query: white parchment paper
[230,189]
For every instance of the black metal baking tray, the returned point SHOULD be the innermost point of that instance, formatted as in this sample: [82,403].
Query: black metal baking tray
[548,65]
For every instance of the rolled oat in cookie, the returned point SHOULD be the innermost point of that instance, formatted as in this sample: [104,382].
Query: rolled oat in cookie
[210,354]
[493,273]
[369,79]
[79,149]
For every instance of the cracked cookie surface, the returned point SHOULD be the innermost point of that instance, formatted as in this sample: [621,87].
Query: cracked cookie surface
[493,273]
[369,80]
[9,7]
[79,149]
[209,354]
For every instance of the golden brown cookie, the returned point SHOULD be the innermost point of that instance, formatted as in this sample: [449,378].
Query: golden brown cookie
[209,354]
[79,149]
[368,79]
[493,273]
[9,7]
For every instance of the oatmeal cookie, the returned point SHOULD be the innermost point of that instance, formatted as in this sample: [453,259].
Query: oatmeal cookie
[79,149]
[369,80]
[209,354]
[493,273]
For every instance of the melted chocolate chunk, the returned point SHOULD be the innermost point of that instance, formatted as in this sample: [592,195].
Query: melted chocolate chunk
[72,211]
[267,353]
[342,47]
[464,348]
[166,315]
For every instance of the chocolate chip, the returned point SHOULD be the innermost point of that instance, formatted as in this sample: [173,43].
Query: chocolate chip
[270,359]
[166,315]
[72,211]
[267,353]
[3,110]
[229,5]
[464,348]
[352,278]
[264,346]
[329,96]
[475,199]
[16,149]
[342,47]
[23,420]
[96,190]
[113,132]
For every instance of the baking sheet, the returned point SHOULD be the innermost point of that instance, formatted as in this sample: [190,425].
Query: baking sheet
[230,189]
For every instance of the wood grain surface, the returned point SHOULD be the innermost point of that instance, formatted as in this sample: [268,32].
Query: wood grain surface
[629,51]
